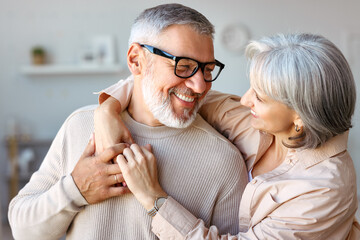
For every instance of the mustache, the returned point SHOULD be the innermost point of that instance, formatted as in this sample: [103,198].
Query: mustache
[185,91]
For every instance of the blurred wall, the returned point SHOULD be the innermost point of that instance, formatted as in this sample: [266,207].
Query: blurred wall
[40,104]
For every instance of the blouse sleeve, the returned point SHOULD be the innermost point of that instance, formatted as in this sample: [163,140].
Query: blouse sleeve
[122,91]
[173,221]
[233,120]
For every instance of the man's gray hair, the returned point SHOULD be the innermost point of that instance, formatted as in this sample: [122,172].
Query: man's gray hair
[309,74]
[151,22]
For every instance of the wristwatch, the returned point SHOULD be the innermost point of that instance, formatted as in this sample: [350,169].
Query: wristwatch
[157,205]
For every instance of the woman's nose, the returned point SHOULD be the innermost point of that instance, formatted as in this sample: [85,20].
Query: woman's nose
[246,99]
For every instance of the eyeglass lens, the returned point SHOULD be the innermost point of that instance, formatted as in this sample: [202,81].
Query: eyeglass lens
[187,67]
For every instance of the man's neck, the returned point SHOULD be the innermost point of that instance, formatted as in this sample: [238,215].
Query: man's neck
[138,109]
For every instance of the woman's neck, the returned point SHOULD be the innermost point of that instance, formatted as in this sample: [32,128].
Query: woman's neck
[279,148]
[272,158]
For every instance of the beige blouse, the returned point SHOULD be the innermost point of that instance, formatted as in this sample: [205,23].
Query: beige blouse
[311,195]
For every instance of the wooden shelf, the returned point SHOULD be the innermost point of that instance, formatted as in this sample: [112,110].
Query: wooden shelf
[71,69]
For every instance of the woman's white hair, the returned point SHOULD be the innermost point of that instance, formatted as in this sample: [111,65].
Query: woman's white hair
[151,22]
[309,74]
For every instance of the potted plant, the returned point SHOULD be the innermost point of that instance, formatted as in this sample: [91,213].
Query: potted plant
[38,55]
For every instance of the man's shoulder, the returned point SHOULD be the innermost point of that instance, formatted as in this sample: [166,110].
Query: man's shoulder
[201,125]
[214,136]
[84,110]
[82,116]
[222,157]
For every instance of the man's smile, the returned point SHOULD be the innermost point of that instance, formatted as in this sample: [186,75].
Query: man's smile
[185,98]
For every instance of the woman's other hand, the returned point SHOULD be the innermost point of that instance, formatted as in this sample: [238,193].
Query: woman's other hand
[109,127]
[138,166]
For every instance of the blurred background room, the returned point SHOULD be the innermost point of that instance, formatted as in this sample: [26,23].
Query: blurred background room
[55,54]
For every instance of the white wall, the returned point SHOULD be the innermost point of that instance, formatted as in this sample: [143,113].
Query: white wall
[41,104]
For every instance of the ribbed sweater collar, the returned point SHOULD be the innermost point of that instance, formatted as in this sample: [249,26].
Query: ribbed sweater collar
[142,130]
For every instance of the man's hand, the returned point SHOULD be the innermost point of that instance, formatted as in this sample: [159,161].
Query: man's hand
[97,177]
[109,127]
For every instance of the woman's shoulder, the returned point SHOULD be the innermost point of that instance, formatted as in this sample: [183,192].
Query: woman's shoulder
[334,148]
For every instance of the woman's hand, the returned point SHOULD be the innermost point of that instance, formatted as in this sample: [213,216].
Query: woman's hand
[138,166]
[109,127]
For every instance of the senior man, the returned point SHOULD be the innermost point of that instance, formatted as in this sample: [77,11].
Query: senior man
[77,192]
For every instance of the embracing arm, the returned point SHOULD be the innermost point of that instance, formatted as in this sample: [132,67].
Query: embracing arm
[122,91]
[233,120]
[312,211]
[45,207]
[308,210]
[64,184]
[109,127]
[173,221]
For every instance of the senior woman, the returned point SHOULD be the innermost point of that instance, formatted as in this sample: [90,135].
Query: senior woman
[302,179]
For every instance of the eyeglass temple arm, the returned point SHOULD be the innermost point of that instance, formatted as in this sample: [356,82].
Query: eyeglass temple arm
[158,51]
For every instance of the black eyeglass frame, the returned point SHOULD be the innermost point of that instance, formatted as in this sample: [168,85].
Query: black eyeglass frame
[200,65]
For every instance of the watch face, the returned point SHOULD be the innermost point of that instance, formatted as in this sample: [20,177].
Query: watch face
[159,202]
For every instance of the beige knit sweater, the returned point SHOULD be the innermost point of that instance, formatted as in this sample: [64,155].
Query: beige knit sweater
[197,166]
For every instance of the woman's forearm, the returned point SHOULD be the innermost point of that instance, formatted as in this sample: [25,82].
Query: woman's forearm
[109,127]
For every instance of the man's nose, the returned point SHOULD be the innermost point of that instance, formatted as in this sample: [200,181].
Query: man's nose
[196,82]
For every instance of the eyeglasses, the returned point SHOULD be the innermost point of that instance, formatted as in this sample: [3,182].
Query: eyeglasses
[187,67]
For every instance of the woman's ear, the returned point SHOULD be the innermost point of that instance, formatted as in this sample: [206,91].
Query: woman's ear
[298,123]
[134,59]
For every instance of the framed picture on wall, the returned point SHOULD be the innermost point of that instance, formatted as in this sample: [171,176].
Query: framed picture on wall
[100,50]
[103,50]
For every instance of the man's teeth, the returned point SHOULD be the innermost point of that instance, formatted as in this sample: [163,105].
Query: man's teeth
[184,98]
[253,113]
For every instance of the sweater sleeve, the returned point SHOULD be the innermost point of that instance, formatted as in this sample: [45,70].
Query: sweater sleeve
[229,117]
[46,206]
[122,91]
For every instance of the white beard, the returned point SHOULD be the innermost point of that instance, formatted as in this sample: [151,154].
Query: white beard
[161,107]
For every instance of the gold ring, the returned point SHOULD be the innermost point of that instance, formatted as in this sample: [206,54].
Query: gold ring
[116,179]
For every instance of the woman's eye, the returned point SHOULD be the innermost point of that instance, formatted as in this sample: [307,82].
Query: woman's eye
[257,97]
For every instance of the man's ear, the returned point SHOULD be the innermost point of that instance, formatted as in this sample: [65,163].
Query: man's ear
[134,57]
